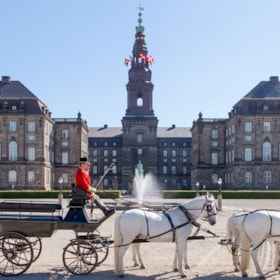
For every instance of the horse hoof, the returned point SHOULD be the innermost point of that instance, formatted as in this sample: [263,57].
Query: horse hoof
[121,276]
[187,266]
[245,275]
[262,277]
[175,269]
[142,267]
[236,269]
[184,276]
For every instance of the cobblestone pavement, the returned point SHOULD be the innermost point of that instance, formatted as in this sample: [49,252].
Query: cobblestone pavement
[208,259]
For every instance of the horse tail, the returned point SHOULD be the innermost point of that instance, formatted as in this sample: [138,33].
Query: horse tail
[245,243]
[117,242]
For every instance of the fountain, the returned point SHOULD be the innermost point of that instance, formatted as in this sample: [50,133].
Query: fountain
[144,185]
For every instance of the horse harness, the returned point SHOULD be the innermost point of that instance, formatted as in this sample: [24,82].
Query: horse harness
[189,217]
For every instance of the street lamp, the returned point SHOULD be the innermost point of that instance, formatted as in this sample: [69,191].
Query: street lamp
[60,195]
[220,182]
[197,188]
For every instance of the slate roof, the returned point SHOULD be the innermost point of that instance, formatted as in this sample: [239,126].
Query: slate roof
[14,93]
[162,132]
[265,93]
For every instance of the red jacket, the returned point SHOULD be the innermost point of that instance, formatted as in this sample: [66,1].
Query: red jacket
[83,182]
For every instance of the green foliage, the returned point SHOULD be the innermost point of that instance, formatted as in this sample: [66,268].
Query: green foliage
[266,194]
[50,194]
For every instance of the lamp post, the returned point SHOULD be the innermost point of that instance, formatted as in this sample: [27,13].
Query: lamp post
[197,188]
[220,182]
[60,195]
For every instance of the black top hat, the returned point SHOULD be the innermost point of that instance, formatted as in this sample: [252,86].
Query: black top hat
[84,160]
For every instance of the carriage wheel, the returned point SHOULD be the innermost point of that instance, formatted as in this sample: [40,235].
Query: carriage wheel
[36,244]
[101,246]
[102,250]
[16,253]
[80,257]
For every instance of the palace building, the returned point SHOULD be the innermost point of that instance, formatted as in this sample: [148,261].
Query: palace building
[242,149]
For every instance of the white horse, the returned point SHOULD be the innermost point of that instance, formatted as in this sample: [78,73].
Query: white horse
[173,225]
[250,230]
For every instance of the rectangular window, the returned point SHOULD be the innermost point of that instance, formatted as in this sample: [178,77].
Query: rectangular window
[173,169]
[65,133]
[214,133]
[31,137]
[114,153]
[164,153]
[64,176]
[248,126]
[164,169]
[64,143]
[94,153]
[248,138]
[139,137]
[65,157]
[31,176]
[105,153]
[248,177]
[94,169]
[139,152]
[184,153]
[31,126]
[184,170]
[248,154]
[214,158]
[266,126]
[173,153]
[31,153]
[13,126]
[214,143]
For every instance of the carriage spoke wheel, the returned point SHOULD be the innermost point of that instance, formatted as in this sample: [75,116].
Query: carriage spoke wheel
[36,244]
[102,251]
[80,257]
[16,253]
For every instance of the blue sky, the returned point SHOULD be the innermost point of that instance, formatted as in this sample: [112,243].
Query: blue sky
[208,54]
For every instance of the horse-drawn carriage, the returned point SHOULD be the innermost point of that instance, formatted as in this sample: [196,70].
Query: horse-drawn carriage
[23,224]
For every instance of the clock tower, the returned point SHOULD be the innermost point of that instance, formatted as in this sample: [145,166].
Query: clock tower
[139,123]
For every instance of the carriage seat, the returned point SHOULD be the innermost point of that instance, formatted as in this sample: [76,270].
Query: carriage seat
[29,207]
[78,196]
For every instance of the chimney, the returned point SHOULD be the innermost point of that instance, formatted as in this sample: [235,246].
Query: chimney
[105,126]
[173,125]
[274,80]
[6,79]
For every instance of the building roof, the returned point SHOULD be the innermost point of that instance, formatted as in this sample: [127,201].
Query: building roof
[162,132]
[263,98]
[14,93]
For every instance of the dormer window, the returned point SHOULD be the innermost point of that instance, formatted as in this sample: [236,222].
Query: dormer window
[265,107]
[14,107]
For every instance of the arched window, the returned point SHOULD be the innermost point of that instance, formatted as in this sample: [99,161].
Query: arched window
[13,150]
[266,151]
[139,101]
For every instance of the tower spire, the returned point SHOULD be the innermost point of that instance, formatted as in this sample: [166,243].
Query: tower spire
[140,28]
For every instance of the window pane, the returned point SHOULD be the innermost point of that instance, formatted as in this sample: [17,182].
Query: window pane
[12,150]
[31,153]
[31,176]
[65,158]
[65,133]
[12,176]
[31,126]
[13,126]
[248,127]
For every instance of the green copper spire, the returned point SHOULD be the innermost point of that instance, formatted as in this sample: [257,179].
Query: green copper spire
[140,28]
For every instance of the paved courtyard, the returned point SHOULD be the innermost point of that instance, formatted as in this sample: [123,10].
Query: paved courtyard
[208,259]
